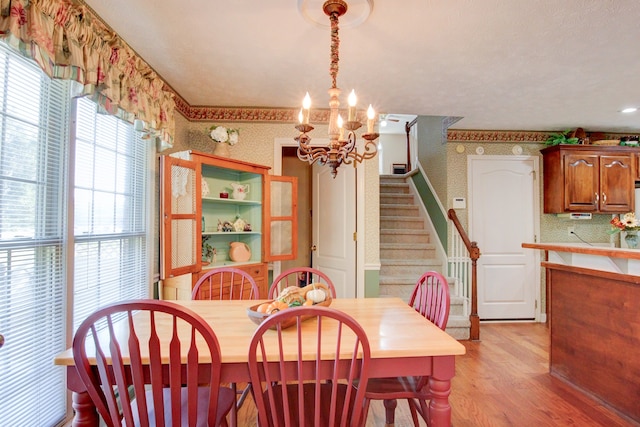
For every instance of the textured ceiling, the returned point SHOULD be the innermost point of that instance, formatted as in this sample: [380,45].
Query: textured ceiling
[501,65]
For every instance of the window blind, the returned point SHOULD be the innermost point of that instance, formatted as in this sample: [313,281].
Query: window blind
[34,117]
[109,240]
[110,221]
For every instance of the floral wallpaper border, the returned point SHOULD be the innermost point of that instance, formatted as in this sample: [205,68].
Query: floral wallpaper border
[290,115]
[248,114]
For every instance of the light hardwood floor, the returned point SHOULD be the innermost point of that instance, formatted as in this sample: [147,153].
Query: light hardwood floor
[503,380]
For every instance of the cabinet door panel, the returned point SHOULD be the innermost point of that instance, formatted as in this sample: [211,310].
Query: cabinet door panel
[282,218]
[181,217]
[616,177]
[581,182]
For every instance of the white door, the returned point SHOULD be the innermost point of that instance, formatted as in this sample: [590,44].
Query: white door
[503,211]
[333,225]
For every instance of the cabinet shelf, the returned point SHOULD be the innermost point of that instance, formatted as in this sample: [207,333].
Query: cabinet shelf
[231,201]
[231,233]
[228,264]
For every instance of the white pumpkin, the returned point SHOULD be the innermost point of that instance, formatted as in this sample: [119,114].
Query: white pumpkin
[316,295]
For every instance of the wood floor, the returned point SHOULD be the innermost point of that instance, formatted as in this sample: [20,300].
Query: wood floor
[503,380]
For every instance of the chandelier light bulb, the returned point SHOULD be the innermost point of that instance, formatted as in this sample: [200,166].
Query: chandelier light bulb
[300,116]
[341,127]
[353,100]
[371,114]
[306,105]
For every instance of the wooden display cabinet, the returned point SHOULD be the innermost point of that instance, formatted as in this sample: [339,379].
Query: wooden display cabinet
[597,179]
[193,209]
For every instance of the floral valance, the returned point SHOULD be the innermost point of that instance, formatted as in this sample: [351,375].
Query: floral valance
[68,41]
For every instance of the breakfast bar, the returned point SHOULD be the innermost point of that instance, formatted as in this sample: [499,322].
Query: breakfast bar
[593,297]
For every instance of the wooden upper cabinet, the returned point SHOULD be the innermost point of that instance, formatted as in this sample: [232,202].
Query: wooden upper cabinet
[581,182]
[580,178]
[193,209]
[617,183]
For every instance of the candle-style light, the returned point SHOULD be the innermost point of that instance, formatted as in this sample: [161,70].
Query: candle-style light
[371,114]
[306,105]
[341,127]
[340,149]
[353,100]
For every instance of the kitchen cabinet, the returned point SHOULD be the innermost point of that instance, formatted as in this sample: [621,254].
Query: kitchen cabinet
[586,178]
[199,205]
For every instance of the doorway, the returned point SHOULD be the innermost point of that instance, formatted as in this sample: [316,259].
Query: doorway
[504,212]
[292,166]
[335,220]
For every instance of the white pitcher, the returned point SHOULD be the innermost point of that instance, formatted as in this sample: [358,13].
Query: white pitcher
[239,190]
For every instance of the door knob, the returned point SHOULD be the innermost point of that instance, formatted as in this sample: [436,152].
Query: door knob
[314,248]
[1,340]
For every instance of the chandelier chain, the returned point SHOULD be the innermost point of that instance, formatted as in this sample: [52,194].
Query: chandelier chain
[335,48]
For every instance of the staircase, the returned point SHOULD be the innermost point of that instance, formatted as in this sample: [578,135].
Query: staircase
[406,250]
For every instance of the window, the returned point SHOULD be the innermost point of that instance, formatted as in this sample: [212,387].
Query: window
[110,226]
[33,149]
[61,254]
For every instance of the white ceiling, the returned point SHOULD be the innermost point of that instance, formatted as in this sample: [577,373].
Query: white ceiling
[501,65]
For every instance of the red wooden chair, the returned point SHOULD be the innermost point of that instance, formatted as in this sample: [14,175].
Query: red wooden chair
[228,283]
[299,276]
[225,283]
[170,391]
[431,299]
[317,394]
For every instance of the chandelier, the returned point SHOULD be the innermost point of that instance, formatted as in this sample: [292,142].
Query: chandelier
[341,149]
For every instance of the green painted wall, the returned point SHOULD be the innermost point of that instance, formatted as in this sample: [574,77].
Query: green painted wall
[371,283]
[433,209]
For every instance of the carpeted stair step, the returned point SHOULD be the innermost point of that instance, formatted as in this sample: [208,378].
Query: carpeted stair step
[409,267]
[398,199]
[401,222]
[399,210]
[394,188]
[390,235]
[407,250]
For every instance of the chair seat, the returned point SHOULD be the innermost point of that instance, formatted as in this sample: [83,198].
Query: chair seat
[226,399]
[397,388]
[309,397]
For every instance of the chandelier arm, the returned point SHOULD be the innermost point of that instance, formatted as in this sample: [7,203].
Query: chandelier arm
[311,154]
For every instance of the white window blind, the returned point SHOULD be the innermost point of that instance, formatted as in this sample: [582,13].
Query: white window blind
[109,241]
[33,151]
[110,219]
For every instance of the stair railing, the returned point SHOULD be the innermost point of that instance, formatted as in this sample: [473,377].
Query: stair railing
[462,261]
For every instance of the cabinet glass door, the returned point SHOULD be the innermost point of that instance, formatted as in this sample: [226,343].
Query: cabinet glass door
[181,222]
[283,218]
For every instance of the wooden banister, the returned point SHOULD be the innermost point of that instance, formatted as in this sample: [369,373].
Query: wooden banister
[474,254]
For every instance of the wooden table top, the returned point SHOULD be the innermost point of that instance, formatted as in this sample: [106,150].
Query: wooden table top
[394,329]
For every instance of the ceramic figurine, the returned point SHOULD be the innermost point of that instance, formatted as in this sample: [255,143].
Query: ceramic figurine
[239,191]
[239,224]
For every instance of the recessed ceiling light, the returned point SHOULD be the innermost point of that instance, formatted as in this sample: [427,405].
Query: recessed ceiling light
[383,123]
[630,110]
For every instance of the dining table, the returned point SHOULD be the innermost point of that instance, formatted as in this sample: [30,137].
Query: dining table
[402,342]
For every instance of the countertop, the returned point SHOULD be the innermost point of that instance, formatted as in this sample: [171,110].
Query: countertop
[582,248]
